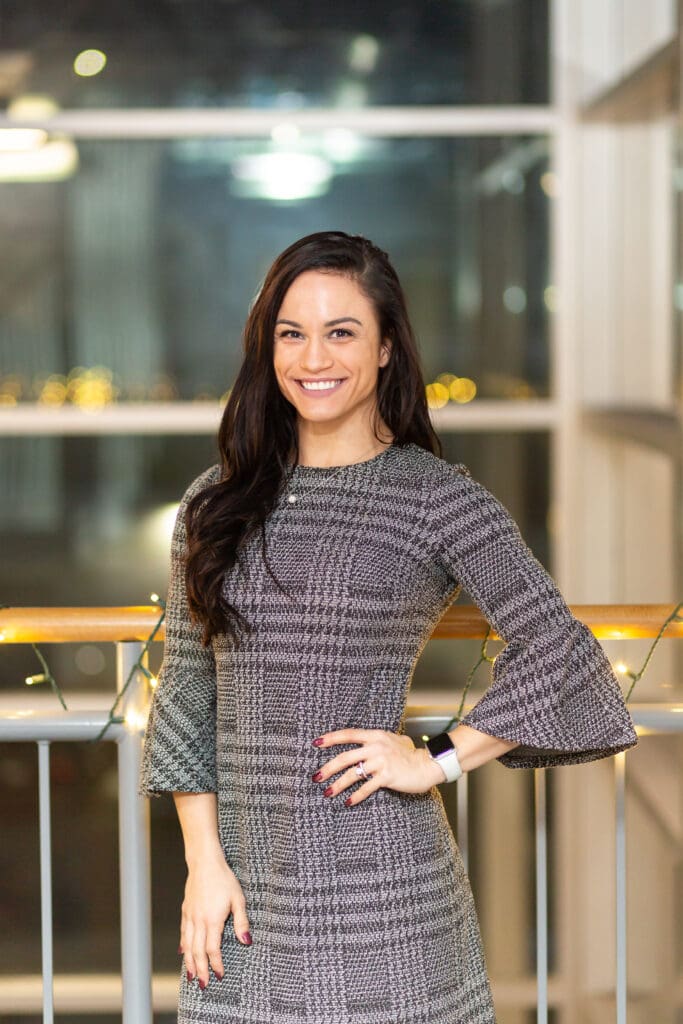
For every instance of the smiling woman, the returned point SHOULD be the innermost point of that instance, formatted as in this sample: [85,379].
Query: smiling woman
[324,881]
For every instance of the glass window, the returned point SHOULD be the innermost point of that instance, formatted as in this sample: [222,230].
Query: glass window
[131,279]
[88,522]
[260,54]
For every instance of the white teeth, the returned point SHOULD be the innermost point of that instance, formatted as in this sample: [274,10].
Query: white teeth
[319,385]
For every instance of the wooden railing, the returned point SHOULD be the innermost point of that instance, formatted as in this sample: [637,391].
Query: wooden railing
[23,624]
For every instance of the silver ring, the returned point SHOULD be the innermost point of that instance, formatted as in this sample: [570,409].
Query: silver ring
[360,771]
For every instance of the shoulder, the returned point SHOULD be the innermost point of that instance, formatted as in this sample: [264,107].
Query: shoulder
[436,474]
[455,500]
[206,478]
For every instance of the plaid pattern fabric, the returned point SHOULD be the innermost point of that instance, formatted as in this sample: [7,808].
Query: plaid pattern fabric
[361,915]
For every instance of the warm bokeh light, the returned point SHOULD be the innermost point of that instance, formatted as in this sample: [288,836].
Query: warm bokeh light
[32,107]
[437,395]
[462,390]
[550,298]
[450,388]
[550,184]
[89,63]
[91,389]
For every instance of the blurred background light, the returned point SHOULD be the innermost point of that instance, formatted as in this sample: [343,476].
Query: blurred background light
[514,299]
[31,107]
[89,63]
[285,176]
[42,161]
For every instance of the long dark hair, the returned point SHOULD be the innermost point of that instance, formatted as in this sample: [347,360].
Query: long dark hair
[258,435]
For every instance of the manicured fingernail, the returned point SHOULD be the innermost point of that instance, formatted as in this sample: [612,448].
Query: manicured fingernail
[347,802]
[202,984]
[219,976]
[317,776]
[246,937]
[328,791]
[318,742]
[190,976]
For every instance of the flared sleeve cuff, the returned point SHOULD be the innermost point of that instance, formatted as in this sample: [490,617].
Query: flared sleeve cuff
[179,749]
[558,697]
[553,689]
[179,752]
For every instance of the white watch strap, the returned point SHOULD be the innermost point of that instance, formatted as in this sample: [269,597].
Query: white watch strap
[450,765]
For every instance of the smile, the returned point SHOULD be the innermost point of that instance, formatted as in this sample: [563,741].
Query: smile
[320,386]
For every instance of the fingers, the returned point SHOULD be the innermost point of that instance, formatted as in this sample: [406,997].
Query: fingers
[240,921]
[213,949]
[329,739]
[349,778]
[186,937]
[335,764]
[362,792]
[200,944]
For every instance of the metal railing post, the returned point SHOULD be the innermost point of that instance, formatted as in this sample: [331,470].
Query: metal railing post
[620,864]
[45,840]
[134,846]
[540,783]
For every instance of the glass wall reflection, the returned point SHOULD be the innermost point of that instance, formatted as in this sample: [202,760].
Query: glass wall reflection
[260,54]
[131,279]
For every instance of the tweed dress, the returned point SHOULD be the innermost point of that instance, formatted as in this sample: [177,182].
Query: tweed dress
[361,914]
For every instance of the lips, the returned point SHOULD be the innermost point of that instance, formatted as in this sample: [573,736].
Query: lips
[327,390]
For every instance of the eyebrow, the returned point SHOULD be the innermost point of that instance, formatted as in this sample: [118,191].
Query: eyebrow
[330,323]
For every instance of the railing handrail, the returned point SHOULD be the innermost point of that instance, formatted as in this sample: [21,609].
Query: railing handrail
[55,625]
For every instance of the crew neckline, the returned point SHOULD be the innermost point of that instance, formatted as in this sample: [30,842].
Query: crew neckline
[304,470]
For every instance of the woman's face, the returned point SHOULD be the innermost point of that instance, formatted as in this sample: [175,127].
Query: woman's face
[327,334]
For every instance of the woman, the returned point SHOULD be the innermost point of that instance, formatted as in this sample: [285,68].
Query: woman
[309,568]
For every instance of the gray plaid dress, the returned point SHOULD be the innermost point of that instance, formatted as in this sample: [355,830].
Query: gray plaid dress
[361,915]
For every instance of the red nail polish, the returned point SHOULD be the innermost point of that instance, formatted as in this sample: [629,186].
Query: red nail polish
[247,938]
[190,976]
[318,742]
[328,791]
[202,984]
[219,976]
[347,802]
[317,776]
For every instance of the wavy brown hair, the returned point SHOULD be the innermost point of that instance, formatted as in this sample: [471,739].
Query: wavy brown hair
[257,437]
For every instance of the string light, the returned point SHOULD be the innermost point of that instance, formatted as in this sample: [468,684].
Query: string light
[137,667]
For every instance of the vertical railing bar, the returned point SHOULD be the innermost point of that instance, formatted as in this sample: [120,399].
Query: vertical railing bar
[134,847]
[620,866]
[541,896]
[45,839]
[461,817]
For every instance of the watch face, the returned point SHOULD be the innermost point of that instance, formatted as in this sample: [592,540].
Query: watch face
[440,744]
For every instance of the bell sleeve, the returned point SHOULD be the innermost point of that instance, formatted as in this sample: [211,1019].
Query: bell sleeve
[179,748]
[552,686]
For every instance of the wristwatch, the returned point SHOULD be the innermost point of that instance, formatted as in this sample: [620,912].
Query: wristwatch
[442,749]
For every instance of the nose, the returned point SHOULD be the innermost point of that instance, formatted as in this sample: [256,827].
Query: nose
[314,356]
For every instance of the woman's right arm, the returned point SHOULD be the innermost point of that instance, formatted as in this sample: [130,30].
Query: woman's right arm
[212,890]
[179,757]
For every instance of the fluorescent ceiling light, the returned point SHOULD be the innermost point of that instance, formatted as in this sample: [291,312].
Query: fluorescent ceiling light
[21,139]
[51,162]
[287,176]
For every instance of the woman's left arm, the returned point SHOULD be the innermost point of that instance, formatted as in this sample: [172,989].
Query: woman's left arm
[554,695]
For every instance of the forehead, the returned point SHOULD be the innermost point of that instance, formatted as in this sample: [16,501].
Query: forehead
[316,291]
